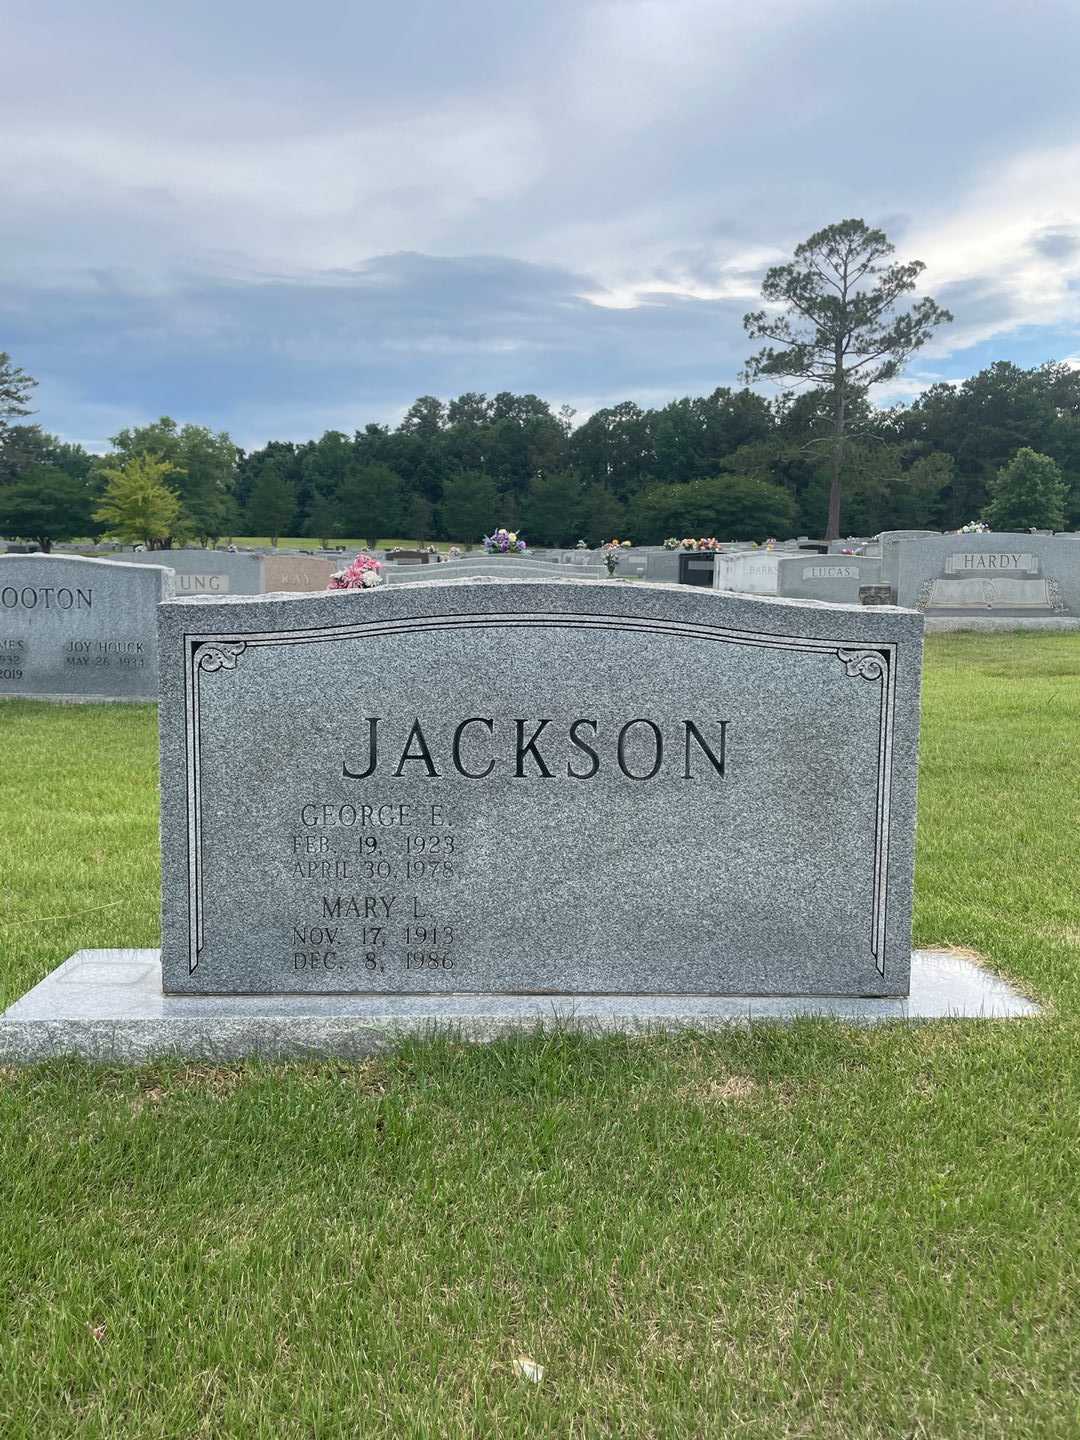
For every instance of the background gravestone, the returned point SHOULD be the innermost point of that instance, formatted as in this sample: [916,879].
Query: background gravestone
[833,578]
[541,787]
[499,567]
[241,572]
[72,628]
[993,574]
[750,572]
[204,572]
[290,571]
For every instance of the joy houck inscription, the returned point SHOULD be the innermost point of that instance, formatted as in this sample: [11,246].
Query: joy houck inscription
[552,787]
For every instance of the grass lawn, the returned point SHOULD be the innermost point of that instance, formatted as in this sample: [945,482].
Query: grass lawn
[793,1232]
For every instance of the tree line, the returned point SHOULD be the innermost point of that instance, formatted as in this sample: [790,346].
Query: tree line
[734,463]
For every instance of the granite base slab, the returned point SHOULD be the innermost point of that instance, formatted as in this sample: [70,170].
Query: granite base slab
[87,699]
[107,1006]
[938,624]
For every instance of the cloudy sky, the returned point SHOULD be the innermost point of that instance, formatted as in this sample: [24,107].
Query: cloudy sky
[278,219]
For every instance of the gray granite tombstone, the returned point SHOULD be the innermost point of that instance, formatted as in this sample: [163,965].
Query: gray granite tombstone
[554,787]
[73,628]
[836,578]
[750,572]
[662,566]
[995,574]
[491,566]
[206,572]
[889,543]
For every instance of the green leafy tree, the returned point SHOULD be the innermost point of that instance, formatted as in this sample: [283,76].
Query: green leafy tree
[323,465]
[418,518]
[425,417]
[272,502]
[918,493]
[15,388]
[206,479]
[1029,493]
[616,448]
[731,507]
[839,328]
[694,435]
[600,516]
[370,498]
[470,507]
[137,505]
[280,454]
[25,446]
[203,474]
[324,519]
[46,505]
[985,419]
[550,508]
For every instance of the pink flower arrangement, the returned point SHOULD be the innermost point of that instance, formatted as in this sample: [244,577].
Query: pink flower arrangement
[707,542]
[364,573]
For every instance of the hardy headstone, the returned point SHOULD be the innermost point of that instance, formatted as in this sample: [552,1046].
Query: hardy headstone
[80,629]
[537,787]
[1020,576]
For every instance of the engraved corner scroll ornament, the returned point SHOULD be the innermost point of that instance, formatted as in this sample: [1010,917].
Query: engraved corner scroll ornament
[870,664]
[219,654]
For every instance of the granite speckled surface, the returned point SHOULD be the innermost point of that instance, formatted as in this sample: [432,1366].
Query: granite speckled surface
[107,1005]
[576,787]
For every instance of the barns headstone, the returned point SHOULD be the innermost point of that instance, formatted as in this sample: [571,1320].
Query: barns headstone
[72,628]
[748,572]
[537,788]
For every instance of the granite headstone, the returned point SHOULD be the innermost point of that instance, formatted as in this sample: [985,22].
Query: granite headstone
[205,572]
[72,628]
[548,787]
[836,578]
[748,572]
[995,573]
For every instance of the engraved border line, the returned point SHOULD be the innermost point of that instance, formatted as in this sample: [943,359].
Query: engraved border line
[872,659]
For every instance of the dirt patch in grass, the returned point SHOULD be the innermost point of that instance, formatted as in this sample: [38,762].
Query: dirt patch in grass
[1061,934]
[725,1090]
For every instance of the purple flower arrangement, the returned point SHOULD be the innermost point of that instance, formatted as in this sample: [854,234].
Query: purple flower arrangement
[504,542]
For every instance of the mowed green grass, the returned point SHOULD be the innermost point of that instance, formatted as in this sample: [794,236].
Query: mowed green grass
[792,1232]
